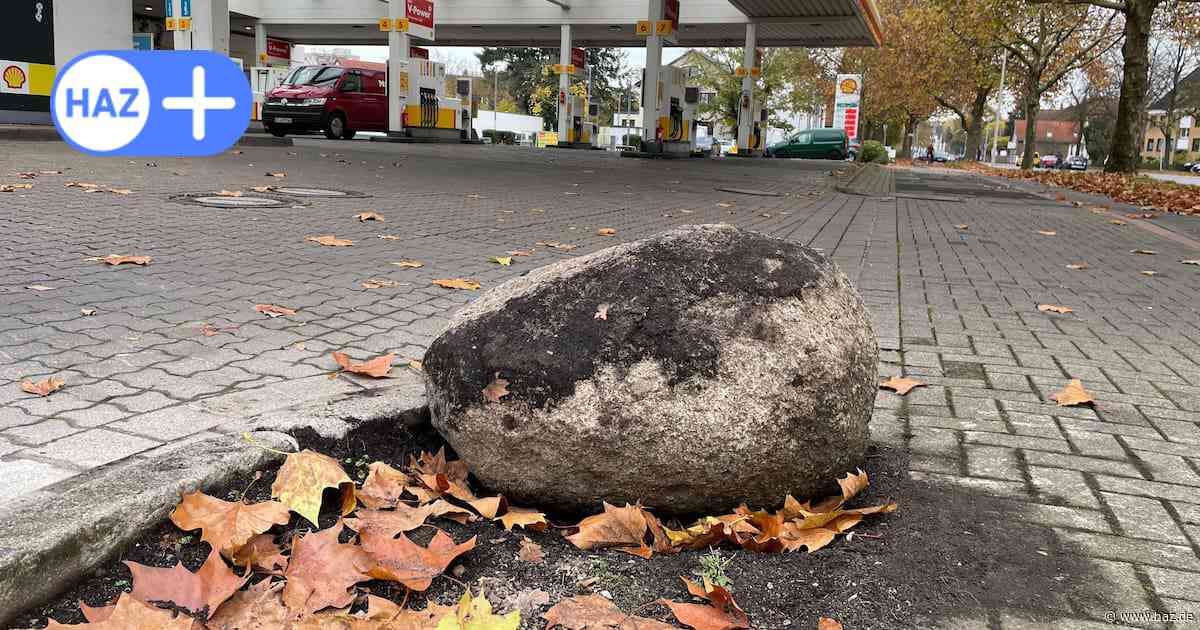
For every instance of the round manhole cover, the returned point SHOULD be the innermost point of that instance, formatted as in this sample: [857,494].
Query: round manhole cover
[211,200]
[314,192]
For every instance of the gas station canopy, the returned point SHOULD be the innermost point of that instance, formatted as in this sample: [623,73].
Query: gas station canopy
[808,23]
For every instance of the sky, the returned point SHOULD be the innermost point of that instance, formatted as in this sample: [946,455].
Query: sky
[458,58]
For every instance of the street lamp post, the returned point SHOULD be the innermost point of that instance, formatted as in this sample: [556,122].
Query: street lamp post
[999,95]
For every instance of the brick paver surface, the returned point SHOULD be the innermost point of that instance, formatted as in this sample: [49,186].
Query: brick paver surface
[175,349]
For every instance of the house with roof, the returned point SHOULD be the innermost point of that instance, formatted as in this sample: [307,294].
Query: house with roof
[1058,132]
[1185,134]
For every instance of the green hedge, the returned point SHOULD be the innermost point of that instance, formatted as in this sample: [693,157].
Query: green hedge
[502,137]
[873,151]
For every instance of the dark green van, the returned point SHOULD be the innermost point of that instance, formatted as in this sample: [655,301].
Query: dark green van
[830,144]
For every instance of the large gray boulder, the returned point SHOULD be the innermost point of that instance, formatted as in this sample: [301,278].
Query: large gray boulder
[732,367]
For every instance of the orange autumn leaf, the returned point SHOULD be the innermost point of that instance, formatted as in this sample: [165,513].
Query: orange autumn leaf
[322,572]
[720,613]
[273,311]
[383,486]
[368,216]
[621,528]
[259,607]
[458,283]
[261,554]
[303,478]
[825,623]
[1048,232]
[329,240]
[129,614]
[402,519]
[606,232]
[409,264]
[496,390]
[197,592]
[523,517]
[229,193]
[114,260]
[1054,308]
[375,368]
[227,525]
[902,385]
[594,612]
[401,560]
[531,552]
[43,388]
[1073,395]
[1077,266]
[278,174]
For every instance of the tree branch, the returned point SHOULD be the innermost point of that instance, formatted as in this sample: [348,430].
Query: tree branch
[1115,5]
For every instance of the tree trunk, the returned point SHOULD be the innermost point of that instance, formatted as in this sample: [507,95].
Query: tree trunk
[975,127]
[1123,155]
[909,126]
[1032,108]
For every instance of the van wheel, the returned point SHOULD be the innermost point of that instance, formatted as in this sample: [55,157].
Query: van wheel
[348,134]
[335,126]
[834,155]
[277,131]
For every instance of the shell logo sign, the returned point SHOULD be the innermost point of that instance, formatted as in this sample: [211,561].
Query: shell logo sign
[14,77]
[849,86]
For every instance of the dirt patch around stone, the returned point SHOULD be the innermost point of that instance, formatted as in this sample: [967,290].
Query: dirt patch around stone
[944,555]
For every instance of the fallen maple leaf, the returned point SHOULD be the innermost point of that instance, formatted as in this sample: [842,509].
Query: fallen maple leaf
[43,388]
[723,204]
[416,365]
[962,226]
[1146,252]
[620,528]
[458,283]
[496,390]
[302,479]
[1190,262]
[401,560]
[259,607]
[902,385]
[390,237]
[229,193]
[1054,308]
[531,552]
[409,264]
[39,287]
[594,612]
[368,216]
[379,283]
[501,260]
[602,311]
[273,311]
[1048,232]
[87,312]
[402,518]
[209,330]
[1149,273]
[518,252]
[375,368]
[279,174]
[1116,222]
[120,191]
[200,593]
[556,245]
[262,189]
[383,486]
[261,554]
[720,613]
[475,613]
[523,517]
[128,614]
[226,525]
[1077,266]
[329,240]
[114,260]
[1072,395]
[606,232]
[322,571]
[825,623]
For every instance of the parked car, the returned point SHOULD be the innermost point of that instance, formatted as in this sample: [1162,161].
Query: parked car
[1077,163]
[891,151]
[1196,168]
[855,147]
[336,101]
[831,144]
[1049,161]
[708,145]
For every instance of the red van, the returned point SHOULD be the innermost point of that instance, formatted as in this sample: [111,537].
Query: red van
[334,100]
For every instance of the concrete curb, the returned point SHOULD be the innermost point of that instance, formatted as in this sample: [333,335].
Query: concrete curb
[42,133]
[51,539]
[259,140]
[870,180]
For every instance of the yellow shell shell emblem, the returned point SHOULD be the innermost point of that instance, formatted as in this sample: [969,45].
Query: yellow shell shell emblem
[14,77]
[849,86]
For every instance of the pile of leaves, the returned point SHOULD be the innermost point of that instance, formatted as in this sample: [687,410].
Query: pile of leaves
[1139,190]
[250,579]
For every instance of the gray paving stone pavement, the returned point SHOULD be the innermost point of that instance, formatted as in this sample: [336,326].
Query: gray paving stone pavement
[175,349]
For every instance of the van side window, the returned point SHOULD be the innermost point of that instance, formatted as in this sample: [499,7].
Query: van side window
[352,82]
[804,138]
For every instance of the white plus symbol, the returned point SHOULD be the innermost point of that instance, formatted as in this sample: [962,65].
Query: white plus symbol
[198,102]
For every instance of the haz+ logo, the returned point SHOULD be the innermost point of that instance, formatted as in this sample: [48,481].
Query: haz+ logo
[142,103]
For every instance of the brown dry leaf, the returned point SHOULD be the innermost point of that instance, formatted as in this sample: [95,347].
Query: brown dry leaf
[401,560]
[83,185]
[1048,232]
[487,507]
[416,365]
[556,245]
[496,390]
[302,479]
[329,240]
[262,189]
[206,589]
[114,260]
[383,486]
[390,237]
[724,204]
[602,311]
[1054,308]
[120,191]
[620,528]
[531,552]
[1078,266]
[1145,252]
[523,517]
[458,283]
[43,388]
[501,260]
[322,571]
[519,252]
[962,226]
[594,612]
[87,312]
[273,311]
[1073,395]
[229,193]
[368,216]
[225,525]
[1149,273]
[379,283]
[279,174]
[409,264]
[128,614]
[606,232]
[825,623]
[261,554]
[375,368]
[1116,222]
[1190,262]
[396,521]
[720,613]
[902,385]
[259,607]
[209,330]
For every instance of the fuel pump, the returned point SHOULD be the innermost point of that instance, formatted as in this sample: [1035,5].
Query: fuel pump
[263,79]
[467,109]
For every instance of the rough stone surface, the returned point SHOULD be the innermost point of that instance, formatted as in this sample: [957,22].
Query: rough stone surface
[732,367]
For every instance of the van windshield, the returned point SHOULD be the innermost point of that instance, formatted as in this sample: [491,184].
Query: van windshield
[314,75]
